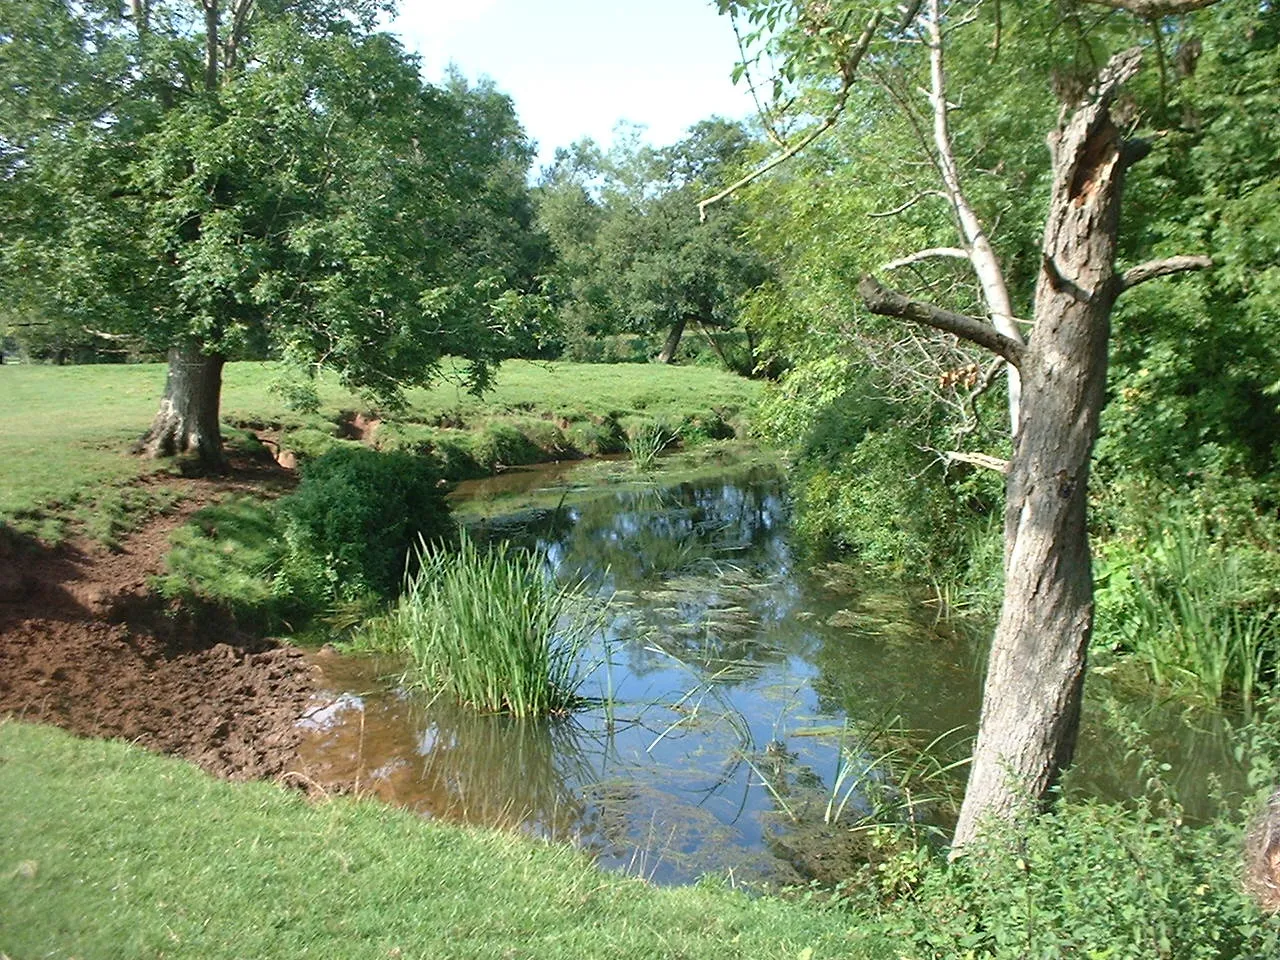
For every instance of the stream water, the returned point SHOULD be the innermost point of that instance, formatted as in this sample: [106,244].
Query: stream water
[753,706]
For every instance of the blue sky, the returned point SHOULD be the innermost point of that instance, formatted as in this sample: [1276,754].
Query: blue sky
[576,68]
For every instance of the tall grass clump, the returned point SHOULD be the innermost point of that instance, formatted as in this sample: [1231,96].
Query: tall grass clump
[490,627]
[646,440]
[1192,611]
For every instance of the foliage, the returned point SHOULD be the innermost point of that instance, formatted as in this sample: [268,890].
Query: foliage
[490,627]
[362,511]
[631,254]
[1133,882]
[863,485]
[281,199]
[1132,879]
[1192,416]
[1198,611]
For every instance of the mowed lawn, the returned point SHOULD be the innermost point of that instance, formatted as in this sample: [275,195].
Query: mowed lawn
[65,431]
[108,851]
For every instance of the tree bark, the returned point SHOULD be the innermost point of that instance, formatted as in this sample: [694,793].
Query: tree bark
[1035,674]
[669,348]
[187,421]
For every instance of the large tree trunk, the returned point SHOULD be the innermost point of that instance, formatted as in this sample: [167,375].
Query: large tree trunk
[669,348]
[187,421]
[1035,675]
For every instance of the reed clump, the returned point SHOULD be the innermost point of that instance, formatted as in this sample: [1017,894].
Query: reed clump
[490,627]
[647,440]
[1199,613]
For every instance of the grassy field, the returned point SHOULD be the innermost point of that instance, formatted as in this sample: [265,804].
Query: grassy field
[108,851]
[65,431]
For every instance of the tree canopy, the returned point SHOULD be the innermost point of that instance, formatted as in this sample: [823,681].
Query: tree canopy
[232,178]
[632,255]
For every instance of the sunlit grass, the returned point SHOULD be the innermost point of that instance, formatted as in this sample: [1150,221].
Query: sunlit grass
[65,432]
[109,851]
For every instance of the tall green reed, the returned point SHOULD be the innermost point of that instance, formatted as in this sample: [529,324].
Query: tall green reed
[491,628]
[647,440]
[1188,608]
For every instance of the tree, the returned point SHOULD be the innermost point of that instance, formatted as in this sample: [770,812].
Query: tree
[1057,383]
[217,178]
[633,256]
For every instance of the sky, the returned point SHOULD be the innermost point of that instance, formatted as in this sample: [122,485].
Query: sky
[576,68]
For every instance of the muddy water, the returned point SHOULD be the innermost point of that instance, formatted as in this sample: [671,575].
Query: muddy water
[744,695]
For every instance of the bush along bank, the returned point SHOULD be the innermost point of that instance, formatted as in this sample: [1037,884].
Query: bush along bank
[341,540]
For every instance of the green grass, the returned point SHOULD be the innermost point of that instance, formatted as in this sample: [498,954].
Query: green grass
[230,554]
[489,627]
[1192,611]
[108,851]
[65,431]
[63,437]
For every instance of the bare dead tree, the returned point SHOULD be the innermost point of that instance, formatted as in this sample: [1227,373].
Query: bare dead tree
[1032,696]
[1031,700]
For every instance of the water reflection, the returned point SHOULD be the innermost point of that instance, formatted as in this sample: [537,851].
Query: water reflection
[448,762]
[743,696]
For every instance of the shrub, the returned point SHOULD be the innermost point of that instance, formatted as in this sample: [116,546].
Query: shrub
[490,627]
[1088,880]
[502,443]
[594,439]
[362,511]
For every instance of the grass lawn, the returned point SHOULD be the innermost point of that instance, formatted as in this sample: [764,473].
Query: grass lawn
[109,851]
[65,431]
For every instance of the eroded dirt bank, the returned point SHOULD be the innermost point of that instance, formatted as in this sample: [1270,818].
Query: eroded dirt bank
[84,646]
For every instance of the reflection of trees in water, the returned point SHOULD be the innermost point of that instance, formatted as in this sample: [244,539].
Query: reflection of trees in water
[695,569]
[882,654]
[499,771]
[638,536]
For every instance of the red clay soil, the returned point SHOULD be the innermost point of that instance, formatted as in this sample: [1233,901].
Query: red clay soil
[84,645]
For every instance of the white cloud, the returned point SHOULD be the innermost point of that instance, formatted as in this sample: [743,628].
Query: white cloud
[576,67]
[429,26]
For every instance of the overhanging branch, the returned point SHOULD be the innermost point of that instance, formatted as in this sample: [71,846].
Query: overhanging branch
[849,69]
[889,303]
[1153,9]
[1162,268]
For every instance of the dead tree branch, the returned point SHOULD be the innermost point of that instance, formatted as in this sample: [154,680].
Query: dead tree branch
[902,207]
[954,252]
[977,460]
[889,303]
[1162,268]
[986,265]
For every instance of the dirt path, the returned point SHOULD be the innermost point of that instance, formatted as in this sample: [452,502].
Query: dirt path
[85,646]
